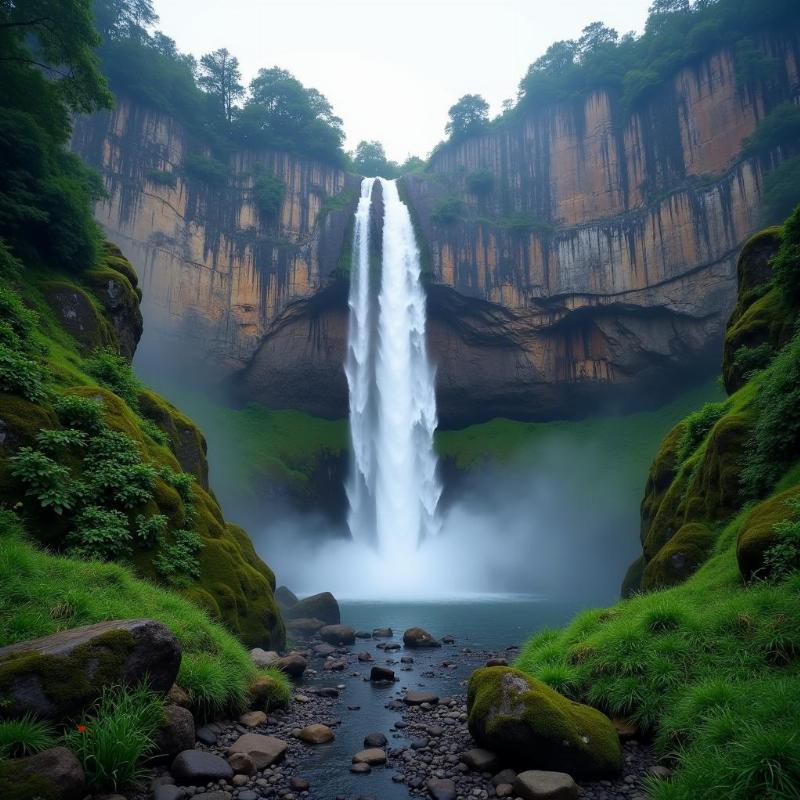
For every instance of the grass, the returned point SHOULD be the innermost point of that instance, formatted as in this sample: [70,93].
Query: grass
[113,739]
[44,593]
[25,736]
[710,666]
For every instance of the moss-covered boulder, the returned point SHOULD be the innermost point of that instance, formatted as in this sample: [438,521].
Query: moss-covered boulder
[679,557]
[54,774]
[57,676]
[531,726]
[757,534]
[77,313]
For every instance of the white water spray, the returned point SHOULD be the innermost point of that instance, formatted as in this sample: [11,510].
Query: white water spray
[393,487]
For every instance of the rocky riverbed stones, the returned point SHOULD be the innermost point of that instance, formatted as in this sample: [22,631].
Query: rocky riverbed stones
[480,760]
[418,698]
[252,719]
[540,785]
[87,659]
[382,633]
[263,750]
[176,733]
[321,606]
[316,734]
[374,756]
[442,789]
[196,768]
[57,769]
[242,764]
[304,627]
[372,740]
[417,637]
[294,665]
[534,727]
[263,658]
[381,675]
[338,634]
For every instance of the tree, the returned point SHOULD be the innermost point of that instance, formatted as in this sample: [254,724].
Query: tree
[595,36]
[470,115]
[219,77]
[115,19]
[370,160]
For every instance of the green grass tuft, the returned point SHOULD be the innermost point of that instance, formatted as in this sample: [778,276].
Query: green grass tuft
[25,736]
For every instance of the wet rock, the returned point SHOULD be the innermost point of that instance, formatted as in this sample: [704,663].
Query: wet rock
[381,675]
[418,698]
[206,735]
[374,756]
[365,657]
[360,768]
[382,633]
[253,719]
[337,634]
[285,597]
[87,659]
[178,697]
[304,627]
[169,792]
[417,637]
[363,635]
[263,658]
[263,750]
[324,650]
[497,662]
[176,733]
[480,760]
[319,606]
[373,740]
[327,691]
[196,768]
[442,789]
[504,776]
[57,767]
[539,785]
[242,764]
[316,734]
[299,784]
[293,665]
[504,790]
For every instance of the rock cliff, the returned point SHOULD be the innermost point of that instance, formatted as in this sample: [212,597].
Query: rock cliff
[596,262]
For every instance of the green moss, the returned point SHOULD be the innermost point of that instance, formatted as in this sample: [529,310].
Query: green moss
[77,312]
[757,533]
[537,728]
[679,557]
[19,782]
[71,682]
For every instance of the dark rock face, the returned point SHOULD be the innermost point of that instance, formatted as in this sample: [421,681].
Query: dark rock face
[57,676]
[417,637]
[176,734]
[285,597]
[321,606]
[54,774]
[381,674]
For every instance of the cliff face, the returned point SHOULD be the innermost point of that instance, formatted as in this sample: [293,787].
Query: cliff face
[214,273]
[600,260]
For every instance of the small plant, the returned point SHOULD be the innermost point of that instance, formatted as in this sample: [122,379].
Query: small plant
[113,740]
[54,440]
[20,374]
[150,529]
[24,737]
[83,413]
[100,534]
[783,558]
[177,560]
[115,373]
[281,691]
[45,480]
[480,182]
[748,360]
[182,482]
[696,426]
[153,431]
[162,177]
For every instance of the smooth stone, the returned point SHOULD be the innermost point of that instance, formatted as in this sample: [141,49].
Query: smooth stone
[391,646]
[301,698]
[327,691]
[418,698]
[365,657]
[382,633]
[504,790]
[167,792]
[176,733]
[253,718]
[242,764]
[337,634]
[206,735]
[195,768]
[213,795]
[263,658]
[540,785]
[304,626]
[293,665]
[360,768]
[248,794]
[379,674]
[504,776]
[316,734]
[372,740]
[363,635]
[417,637]
[372,756]
[324,650]
[442,789]
[419,744]
[264,750]
[480,760]
[285,597]
[299,784]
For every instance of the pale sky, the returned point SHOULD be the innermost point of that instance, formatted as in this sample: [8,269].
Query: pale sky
[392,68]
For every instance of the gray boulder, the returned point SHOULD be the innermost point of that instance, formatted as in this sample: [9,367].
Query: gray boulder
[176,733]
[540,785]
[196,768]
[338,634]
[263,750]
[294,665]
[56,771]
[417,637]
[57,676]
[321,606]
[263,658]
[285,597]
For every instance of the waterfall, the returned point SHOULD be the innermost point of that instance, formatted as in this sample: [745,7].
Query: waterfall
[393,487]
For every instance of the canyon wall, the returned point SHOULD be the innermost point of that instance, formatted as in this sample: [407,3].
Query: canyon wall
[598,267]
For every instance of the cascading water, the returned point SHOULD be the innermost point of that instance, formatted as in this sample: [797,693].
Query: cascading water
[393,487]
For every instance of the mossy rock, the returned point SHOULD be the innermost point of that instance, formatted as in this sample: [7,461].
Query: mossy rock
[186,441]
[632,581]
[54,774]
[660,478]
[679,557]
[757,534]
[266,694]
[75,311]
[120,300]
[531,726]
[21,420]
[115,259]
[319,606]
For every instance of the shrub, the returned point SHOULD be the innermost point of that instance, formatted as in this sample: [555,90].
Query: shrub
[748,360]
[45,480]
[783,558]
[480,182]
[268,192]
[206,169]
[23,737]
[83,413]
[112,740]
[162,178]
[448,211]
[780,127]
[176,561]
[696,426]
[100,534]
[786,264]
[150,529]
[115,373]
[782,190]
[20,374]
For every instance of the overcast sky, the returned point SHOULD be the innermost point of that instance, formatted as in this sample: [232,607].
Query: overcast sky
[392,68]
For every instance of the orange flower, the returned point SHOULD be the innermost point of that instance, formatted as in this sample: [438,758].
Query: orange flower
[80,728]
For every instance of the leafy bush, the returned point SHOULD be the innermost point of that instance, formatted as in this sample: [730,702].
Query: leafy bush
[150,529]
[783,558]
[45,480]
[83,413]
[268,192]
[480,182]
[448,211]
[775,442]
[782,190]
[113,740]
[696,426]
[115,373]
[153,431]
[748,360]
[101,534]
[786,264]
[21,375]
[206,169]
[282,691]
[23,737]
[176,561]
